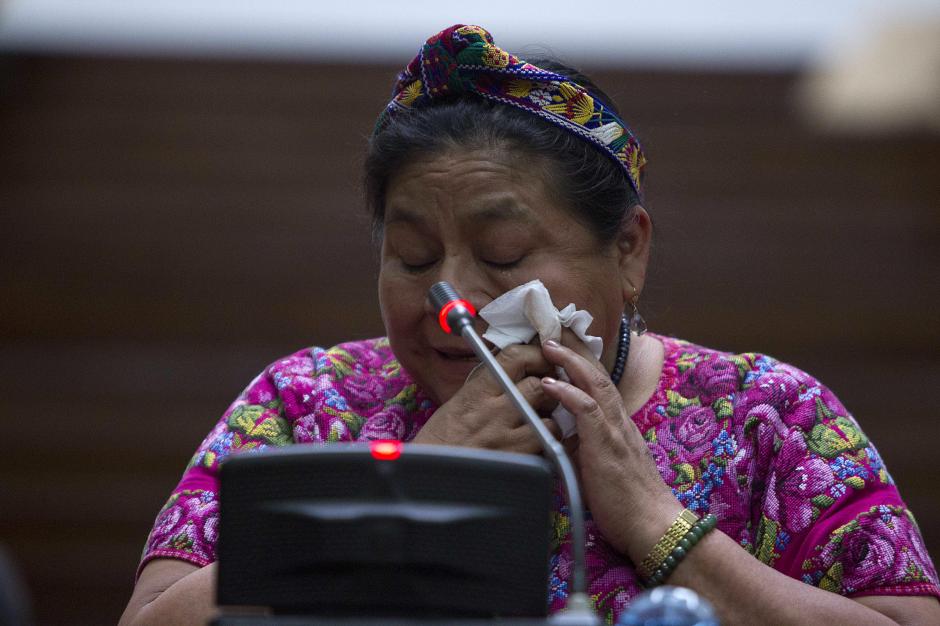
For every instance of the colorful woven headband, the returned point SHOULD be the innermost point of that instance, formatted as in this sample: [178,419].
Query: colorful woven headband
[463,59]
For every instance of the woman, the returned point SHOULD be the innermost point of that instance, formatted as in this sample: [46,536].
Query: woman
[488,172]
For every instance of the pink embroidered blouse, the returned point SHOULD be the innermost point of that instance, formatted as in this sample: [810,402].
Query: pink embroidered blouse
[762,445]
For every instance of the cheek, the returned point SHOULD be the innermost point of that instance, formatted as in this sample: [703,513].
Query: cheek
[402,304]
[591,287]
[568,285]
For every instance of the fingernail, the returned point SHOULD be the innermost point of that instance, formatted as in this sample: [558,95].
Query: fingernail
[548,380]
[552,343]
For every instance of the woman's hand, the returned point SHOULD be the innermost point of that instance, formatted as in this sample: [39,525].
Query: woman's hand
[481,415]
[621,484]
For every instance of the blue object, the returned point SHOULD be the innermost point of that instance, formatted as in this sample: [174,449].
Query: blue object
[669,606]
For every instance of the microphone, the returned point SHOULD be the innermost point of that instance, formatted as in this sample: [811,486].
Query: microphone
[455,316]
[453,311]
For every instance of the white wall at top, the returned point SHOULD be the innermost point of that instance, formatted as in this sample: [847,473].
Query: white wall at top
[730,33]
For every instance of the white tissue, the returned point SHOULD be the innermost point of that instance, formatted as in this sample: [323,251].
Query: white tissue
[526,311]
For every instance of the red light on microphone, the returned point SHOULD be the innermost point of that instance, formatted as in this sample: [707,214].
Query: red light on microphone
[442,316]
[385,449]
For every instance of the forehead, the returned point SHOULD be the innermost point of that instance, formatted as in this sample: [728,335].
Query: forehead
[475,185]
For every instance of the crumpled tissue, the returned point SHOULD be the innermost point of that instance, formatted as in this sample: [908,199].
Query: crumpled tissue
[526,311]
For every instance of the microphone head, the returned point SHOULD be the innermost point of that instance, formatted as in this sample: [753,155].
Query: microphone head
[453,312]
[441,293]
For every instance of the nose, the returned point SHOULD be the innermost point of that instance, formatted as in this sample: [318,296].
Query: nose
[466,280]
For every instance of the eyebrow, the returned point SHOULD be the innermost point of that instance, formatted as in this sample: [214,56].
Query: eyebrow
[499,209]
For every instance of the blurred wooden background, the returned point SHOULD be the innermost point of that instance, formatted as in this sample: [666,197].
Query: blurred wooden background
[168,227]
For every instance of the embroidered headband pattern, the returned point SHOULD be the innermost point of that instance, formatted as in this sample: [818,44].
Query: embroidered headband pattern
[464,59]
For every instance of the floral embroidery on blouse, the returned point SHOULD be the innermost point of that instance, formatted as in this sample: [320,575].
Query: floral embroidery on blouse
[762,445]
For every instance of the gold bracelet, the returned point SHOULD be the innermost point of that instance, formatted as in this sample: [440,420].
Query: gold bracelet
[667,543]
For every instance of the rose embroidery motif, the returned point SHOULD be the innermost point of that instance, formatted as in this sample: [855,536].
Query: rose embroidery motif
[868,553]
[795,480]
[362,392]
[691,433]
[387,424]
[711,379]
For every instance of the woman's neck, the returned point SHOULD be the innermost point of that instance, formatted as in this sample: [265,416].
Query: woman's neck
[642,373]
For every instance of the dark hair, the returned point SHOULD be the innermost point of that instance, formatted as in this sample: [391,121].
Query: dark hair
[594,186]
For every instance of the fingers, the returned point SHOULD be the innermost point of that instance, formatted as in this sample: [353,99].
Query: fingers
[519,361]
[585,372]
[591,396]
[552,427]
[488,417]
[525,440]
[517,434]
[589,415]
[533,391]
[570,340]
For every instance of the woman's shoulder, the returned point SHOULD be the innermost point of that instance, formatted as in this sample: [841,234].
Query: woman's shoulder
[710,374]
[751,392]
[343,392]
[776,456]
[359,356]
[754,415]
[327,366]
[317,369]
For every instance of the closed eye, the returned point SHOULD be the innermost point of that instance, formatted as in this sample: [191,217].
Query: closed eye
[504,265]
[416,268]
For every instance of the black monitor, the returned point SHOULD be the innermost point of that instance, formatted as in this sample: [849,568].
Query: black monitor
[386,530]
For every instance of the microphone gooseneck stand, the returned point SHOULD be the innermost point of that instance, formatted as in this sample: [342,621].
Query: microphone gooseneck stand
[456,317]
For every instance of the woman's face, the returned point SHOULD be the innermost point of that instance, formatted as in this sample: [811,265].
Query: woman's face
[485,225]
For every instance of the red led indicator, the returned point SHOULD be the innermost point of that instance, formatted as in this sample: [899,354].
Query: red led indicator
[442,316]
[385,450]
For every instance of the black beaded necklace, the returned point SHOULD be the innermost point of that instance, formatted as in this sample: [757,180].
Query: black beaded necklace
[623,351]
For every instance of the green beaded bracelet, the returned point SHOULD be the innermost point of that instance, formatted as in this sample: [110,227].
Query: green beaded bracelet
[692,537]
